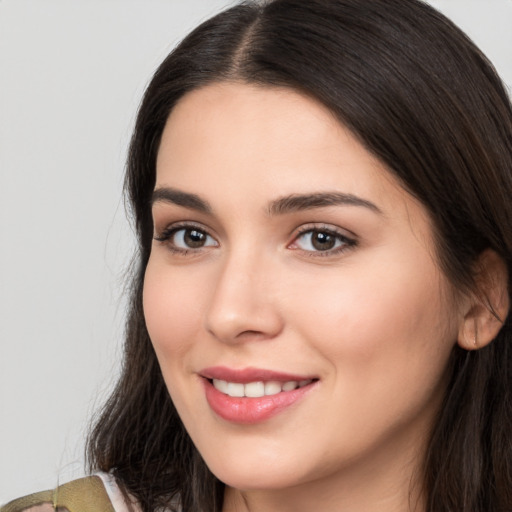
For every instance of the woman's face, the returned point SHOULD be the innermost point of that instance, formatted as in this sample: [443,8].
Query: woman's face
[290,266]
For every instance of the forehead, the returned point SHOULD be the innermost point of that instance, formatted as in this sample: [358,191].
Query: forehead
[233,141]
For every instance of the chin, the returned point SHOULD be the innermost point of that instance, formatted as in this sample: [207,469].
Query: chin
[257,470]
[249,478]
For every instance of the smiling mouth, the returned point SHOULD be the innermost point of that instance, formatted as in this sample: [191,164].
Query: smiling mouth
[252,395]
[257,389]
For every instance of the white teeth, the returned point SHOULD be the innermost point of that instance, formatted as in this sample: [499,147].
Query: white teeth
[272,388]
[221,385]
[290,386]
[235,389]
[257,389]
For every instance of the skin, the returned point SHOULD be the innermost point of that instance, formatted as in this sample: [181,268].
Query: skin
[375,322]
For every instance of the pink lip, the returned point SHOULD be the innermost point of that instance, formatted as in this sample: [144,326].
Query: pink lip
[247,410]
[250,374]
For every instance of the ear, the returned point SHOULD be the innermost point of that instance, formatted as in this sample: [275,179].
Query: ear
[486,310]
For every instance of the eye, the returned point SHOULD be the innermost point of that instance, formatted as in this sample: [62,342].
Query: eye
[183,239]
[191,238]
[322,241]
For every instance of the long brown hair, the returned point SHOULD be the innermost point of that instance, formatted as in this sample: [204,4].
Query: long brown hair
[422,98]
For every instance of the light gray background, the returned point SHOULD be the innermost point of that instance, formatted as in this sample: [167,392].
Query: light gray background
[71,75]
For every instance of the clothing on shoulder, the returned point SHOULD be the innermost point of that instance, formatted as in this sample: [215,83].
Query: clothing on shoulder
[97,493]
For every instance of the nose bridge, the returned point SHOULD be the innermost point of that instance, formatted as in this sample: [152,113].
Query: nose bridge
[241,306]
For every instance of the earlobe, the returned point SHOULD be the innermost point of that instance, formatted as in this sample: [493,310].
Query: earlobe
[487,309]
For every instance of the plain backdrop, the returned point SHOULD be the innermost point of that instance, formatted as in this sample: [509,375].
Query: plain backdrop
[72,73]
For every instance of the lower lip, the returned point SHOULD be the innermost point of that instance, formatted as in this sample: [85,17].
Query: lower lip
[251,410]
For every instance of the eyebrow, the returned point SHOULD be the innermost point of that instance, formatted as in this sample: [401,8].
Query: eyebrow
[298,202]
[177,197]
[283,205]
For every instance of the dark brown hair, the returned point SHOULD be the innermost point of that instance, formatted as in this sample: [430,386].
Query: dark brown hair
[422,98]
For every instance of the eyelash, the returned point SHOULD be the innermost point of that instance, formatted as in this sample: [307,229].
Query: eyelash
[346,242]
[165,237]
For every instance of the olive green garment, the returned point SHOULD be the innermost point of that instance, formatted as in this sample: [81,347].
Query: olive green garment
[83,495]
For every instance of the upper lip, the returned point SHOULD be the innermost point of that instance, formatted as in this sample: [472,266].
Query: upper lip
[245,375]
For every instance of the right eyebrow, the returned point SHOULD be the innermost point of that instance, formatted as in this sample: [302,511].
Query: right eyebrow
[180,198]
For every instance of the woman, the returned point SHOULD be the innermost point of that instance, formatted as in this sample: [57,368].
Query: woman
[320,315]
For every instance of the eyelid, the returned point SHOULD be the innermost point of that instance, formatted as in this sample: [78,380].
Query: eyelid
[324,226]
[168,229]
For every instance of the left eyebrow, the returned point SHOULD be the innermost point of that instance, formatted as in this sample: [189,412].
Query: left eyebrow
[298,202]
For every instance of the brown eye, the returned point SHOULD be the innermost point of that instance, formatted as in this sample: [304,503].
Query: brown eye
[322,241]
[190,238]
[194,238]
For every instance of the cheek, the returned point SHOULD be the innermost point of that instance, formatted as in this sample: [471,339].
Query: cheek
[171,312]
[385,340]
[383,326]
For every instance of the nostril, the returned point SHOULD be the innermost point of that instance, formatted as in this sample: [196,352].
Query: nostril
[251,334]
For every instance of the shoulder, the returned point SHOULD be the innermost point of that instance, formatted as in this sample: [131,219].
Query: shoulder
[90,494]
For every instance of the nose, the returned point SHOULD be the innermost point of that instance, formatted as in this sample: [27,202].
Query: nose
[243,306]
